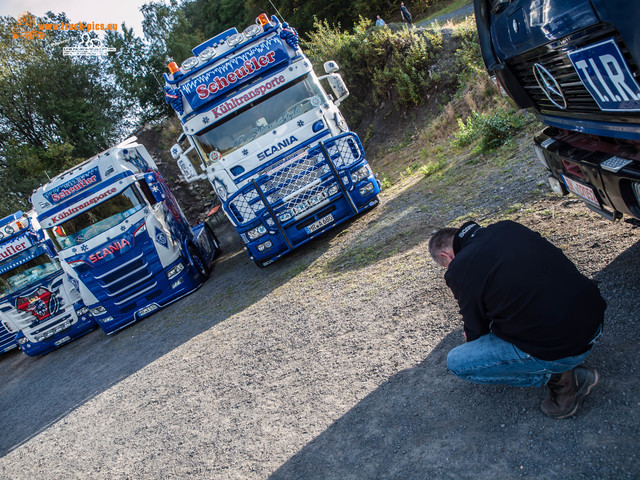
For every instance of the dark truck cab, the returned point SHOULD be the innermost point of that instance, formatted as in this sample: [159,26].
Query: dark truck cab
[574,64]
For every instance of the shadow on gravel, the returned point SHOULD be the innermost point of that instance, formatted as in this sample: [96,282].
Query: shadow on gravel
[35,393]
[426,423]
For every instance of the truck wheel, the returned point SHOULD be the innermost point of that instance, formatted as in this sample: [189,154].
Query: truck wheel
[198,263]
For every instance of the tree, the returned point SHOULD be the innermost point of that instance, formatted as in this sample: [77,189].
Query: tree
[55,109]
[136,70]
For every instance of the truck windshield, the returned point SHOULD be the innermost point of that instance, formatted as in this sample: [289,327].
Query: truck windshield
[260,117]
[96,220]
[25,269]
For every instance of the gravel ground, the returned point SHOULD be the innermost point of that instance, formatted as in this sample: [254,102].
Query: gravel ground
[330,364]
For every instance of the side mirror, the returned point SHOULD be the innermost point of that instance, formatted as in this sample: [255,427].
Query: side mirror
[186,167]
[338,86]
[176,151]
[331,66]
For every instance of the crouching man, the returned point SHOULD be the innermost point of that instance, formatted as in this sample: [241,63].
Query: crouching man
[530,317]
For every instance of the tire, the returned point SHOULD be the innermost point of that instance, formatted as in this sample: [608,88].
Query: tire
[198,264]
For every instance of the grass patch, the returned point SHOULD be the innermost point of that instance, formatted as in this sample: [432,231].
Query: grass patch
[490,130]
[433,167]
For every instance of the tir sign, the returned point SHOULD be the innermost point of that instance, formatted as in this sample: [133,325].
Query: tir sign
[605,74]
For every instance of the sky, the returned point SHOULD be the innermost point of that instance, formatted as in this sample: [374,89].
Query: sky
[110,11]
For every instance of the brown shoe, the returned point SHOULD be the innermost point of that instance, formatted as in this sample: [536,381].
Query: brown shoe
[567,389]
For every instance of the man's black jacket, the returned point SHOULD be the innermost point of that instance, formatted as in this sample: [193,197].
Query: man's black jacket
[510,281]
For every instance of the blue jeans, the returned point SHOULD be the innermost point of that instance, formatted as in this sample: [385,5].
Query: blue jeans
[493,361]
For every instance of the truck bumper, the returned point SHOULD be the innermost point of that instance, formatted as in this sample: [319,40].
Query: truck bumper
[169,291]
[78,329]
[295,233]
[603,172]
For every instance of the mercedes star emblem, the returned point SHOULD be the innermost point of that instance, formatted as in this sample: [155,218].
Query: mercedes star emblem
[549,86]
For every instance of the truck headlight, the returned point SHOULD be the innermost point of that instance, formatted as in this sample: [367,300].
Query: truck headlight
[366,190]
[174,271]
[140,230]
[99,310]
[235,39]
[265,246]
[220,189]
[82,311]
[361,173]
[189,64]
[257,232]
[22,341]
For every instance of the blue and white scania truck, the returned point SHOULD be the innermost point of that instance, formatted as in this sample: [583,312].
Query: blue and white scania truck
[273,144]
[122,236]
[39,305]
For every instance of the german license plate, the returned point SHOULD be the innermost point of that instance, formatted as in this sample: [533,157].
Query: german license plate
[605,73]
[148,309]
[582,190]
[63,340]
[320,223]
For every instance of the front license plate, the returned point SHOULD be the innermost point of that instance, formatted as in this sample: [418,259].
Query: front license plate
[605,73]
[148,309]
[320,223]
[582,190]
[62,341]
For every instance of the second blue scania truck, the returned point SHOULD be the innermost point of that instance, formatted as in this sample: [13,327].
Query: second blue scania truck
[122,237]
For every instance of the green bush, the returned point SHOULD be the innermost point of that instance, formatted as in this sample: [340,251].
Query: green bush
[377,61]
[467,55]
[491,130]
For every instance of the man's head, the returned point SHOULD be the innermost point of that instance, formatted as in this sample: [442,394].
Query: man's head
[441,246]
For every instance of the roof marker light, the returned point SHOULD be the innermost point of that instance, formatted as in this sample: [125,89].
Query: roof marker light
[189,63]
[206,54]
[252,31]
[173,67]
[235,39]
[262,19]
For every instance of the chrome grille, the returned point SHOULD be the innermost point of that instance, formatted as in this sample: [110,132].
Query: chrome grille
[128,279]
[289,180]
[6,337]
[298,181]
[554,58]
